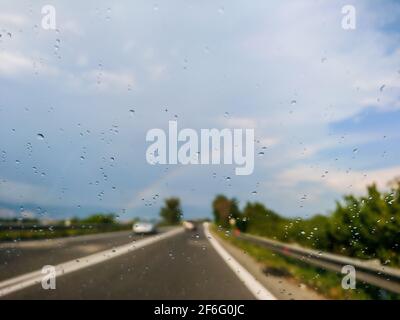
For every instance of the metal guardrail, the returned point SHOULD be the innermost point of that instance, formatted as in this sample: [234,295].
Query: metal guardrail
[371,272]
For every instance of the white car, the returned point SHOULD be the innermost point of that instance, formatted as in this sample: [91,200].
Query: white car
[144,227]
[189,225]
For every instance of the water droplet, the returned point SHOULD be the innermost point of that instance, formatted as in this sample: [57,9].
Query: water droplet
[382,87]
[40,136]
[293,102]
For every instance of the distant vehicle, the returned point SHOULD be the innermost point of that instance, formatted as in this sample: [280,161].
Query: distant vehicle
[189,225]
[144,228]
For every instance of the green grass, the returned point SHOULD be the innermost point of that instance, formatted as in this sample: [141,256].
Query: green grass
[46,233]
[326,283]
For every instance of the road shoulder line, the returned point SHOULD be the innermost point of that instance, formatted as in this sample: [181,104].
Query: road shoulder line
[254,286]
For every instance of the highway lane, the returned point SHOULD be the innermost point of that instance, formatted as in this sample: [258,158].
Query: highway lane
[184,266]
[25,256]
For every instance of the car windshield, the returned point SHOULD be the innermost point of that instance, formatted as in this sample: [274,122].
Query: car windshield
[200,150]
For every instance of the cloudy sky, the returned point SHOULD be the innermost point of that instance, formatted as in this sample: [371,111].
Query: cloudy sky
[76,102]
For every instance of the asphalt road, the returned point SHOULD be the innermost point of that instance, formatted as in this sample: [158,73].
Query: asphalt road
[184,266]
[25,256]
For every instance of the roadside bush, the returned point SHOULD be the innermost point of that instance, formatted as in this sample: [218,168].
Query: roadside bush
[360,226]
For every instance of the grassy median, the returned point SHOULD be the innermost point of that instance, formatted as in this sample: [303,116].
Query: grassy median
[33,229]
[48,233]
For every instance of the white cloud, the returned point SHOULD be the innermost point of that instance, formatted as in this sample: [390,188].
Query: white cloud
[7,213]
[269,141]
[239,122]
[157,71]
[15,64]
[110,81]
[10,19]
[82,60]
[157,187]
[73,27]
[20,192]
[294,54]
[107,81]
[27,214]
[341,181]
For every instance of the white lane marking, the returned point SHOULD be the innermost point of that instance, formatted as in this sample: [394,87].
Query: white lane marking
[255,287]
[32,278]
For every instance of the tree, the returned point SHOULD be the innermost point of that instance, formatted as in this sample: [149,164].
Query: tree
[171,212]
[360,226]
[225,209]
[99,218]
[263,221]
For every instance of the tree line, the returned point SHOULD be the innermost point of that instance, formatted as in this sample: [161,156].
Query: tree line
[366,227]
